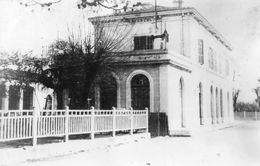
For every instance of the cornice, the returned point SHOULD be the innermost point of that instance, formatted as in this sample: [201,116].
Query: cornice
[149,16]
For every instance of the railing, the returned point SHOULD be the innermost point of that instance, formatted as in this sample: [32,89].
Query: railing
[33,124]
[247,115]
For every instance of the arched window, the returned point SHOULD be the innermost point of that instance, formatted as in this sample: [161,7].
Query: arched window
[228,105]
[221,106]
[140,92]
[48,103]
[183,124]
[217,106]
[201,104]
[28,98]
[14,97]
[211,104]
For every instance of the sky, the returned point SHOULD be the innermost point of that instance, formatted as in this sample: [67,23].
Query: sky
[30,28]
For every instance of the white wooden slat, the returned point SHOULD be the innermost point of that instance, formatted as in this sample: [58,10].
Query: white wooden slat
[18,124]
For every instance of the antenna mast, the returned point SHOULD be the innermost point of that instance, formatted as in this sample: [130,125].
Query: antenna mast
[155,13]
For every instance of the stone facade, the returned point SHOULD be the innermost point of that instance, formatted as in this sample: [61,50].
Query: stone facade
[188,66]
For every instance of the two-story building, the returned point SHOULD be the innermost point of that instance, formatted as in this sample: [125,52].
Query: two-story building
[173,61]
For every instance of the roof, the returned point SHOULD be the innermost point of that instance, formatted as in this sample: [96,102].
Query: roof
[147,10]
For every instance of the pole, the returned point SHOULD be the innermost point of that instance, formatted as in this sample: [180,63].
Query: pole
[114,122]
[155,14]
[132,121]
[34,127]
[147,120]
[92,135]
[66,123]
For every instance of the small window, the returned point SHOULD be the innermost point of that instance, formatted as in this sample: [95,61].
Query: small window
[201,51]
[143,42]
[227,68]
[215,61]
[210,56]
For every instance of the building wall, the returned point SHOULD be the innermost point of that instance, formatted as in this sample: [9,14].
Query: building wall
[38,98]
[184,33]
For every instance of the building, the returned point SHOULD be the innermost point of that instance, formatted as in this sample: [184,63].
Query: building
[177,64]
[12,97]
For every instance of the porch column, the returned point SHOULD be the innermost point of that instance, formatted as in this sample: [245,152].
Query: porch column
[118,95]
[5,100]
[21,100]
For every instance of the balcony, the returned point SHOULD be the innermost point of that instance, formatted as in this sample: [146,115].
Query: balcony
[144,52]
[151,56]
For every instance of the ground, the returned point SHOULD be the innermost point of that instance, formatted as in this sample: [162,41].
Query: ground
[235,146]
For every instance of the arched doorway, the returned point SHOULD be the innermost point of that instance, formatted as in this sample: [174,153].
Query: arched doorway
[140,92]
[200,105]
[108,93]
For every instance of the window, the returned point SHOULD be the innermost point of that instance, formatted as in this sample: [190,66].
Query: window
[201,51]
[215,64]
[220,65]
[143,42]
[227,68]
[211,56]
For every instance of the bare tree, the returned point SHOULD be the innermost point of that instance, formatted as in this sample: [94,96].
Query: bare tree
[235,97]
[257,92]
[74,63]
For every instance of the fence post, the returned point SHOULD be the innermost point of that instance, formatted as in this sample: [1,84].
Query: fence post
[114,122]
[34,127]
[92,134]
[66,123]
[147,119]
[132,121]
[244,115]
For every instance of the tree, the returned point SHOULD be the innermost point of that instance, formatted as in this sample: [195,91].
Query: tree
[75,63]
[235,97]
[257,92]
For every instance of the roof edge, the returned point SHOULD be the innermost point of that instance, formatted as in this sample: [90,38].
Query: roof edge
[167,12]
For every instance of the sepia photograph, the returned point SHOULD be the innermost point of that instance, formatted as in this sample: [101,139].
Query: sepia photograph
[129,82]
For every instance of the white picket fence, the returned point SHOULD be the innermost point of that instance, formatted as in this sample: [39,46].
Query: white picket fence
[247,115]
[33,124]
